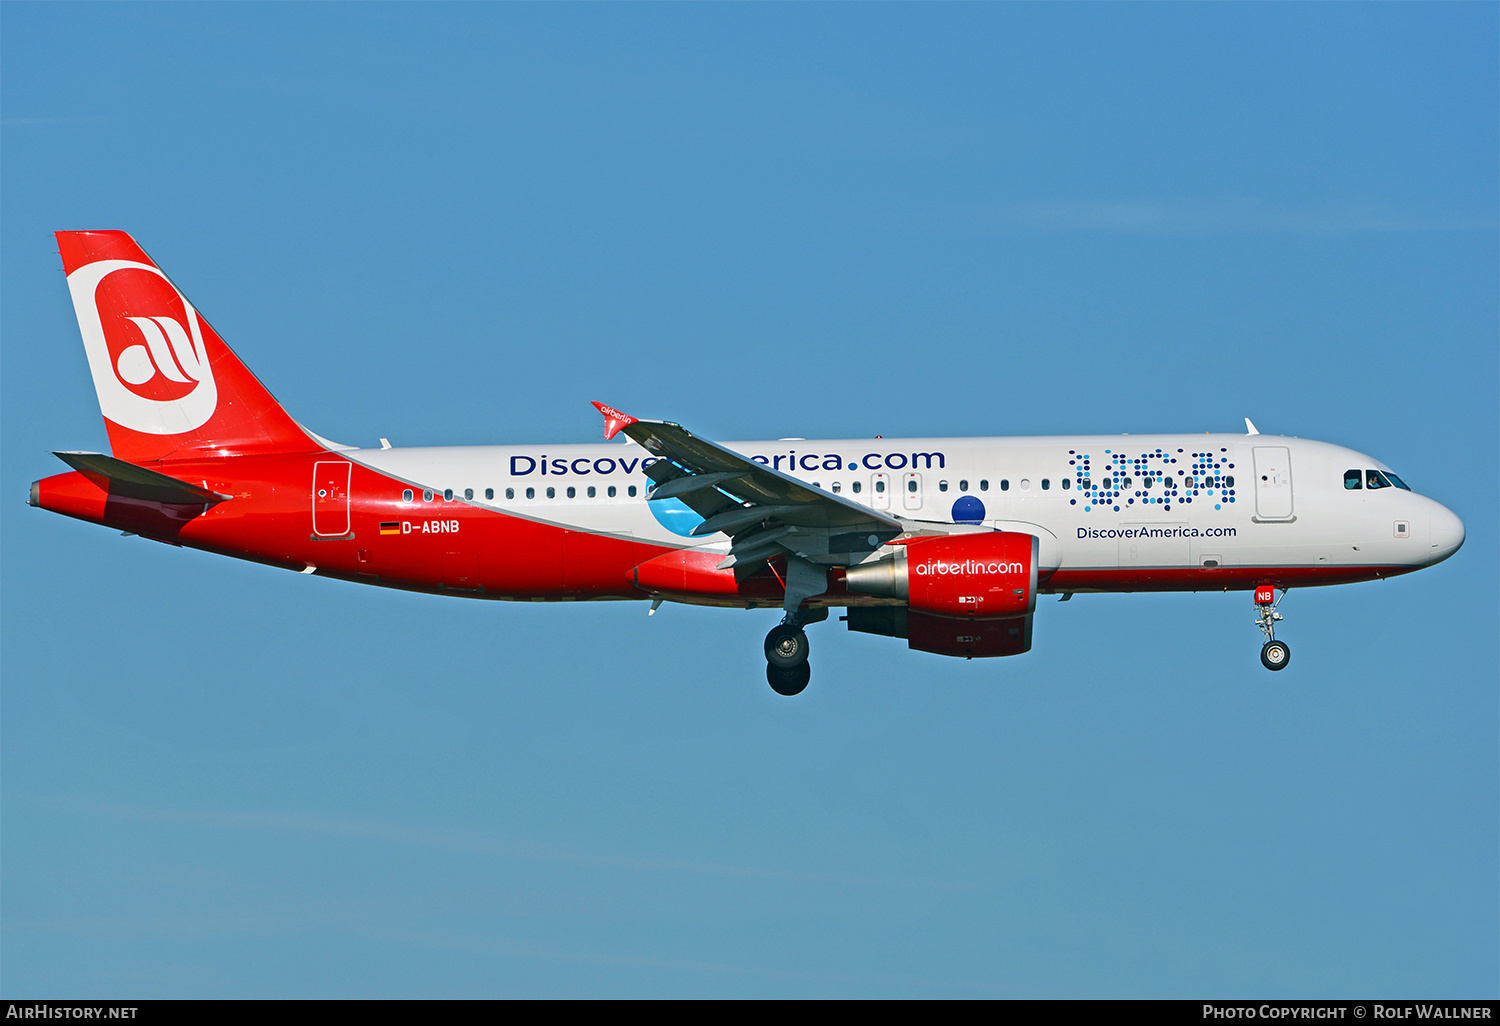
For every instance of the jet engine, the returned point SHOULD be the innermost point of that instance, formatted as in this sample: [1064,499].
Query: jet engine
[965,575]
[968,595]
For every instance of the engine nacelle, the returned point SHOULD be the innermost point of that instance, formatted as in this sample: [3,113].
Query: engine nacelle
[972,576]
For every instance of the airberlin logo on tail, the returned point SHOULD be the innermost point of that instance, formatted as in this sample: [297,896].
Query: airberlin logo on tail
[145,347]
[137,365]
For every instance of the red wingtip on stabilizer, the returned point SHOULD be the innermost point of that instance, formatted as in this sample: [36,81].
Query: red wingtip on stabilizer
[614,420]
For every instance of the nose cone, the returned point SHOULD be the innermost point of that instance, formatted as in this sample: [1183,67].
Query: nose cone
[1447,535]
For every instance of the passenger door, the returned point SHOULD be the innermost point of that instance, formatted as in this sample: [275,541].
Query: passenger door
[1273,482]
[330,499]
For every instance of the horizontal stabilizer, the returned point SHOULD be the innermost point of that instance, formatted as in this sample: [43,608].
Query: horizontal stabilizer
[118,477]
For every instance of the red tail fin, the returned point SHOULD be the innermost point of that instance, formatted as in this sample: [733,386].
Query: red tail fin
[168,386]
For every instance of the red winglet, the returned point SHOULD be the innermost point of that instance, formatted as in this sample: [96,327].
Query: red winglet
[614,420]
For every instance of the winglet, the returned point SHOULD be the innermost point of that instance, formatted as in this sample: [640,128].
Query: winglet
[1249,427]
[614,420]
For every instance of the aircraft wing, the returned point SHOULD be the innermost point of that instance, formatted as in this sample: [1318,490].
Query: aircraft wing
[763,511]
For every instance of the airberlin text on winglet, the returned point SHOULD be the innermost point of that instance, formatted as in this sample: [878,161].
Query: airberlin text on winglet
[614,420]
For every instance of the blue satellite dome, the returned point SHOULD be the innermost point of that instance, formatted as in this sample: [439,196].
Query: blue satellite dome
[967,510]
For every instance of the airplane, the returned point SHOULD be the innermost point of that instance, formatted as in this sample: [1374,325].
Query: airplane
[944,542]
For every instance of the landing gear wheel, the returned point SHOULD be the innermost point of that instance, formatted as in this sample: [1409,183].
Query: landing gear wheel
[1274,655]
[786,648]
[790,681]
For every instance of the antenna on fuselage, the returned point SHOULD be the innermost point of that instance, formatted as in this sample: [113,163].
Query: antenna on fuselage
[1250,428]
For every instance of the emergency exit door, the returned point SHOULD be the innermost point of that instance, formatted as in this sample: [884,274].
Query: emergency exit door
[911,491]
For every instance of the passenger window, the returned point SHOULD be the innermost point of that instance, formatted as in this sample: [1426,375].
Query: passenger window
[611,491]
[531,493]
[510,493]
[630,491]
[572,492]
[591,491]
[1125,482]
[1352,480]
[447,494]
[984,485]
[880,486]
[406,495]
[426,496]
[1046,483]
[551,492]
[855,487]
[963,486]
[1004,484]
[1375,479]
[911,486]
[468,493]
[837,488]
[943,486]
[1067,483]
[489,493]
[1228,480]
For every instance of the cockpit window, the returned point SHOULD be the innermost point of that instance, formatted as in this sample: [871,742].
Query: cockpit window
[1375,479]
[1353,480]
[1397,481]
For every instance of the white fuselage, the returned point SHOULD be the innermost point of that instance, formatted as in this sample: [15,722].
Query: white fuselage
[1099,504]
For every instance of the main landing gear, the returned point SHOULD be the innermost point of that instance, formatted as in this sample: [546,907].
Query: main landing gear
[1274,655]
[786,656]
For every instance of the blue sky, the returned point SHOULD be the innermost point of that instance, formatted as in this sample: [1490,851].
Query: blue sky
[460,224]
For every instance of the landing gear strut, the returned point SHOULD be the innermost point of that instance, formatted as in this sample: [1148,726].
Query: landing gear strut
[786,653]
[1274,655]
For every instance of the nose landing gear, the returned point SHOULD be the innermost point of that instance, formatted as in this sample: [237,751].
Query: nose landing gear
[1274,655]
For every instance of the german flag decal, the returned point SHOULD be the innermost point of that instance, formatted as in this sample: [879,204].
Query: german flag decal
[391,528]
